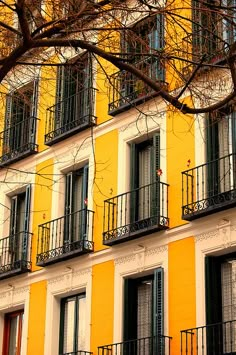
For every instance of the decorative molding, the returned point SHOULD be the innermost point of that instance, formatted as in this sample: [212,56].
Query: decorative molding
[157,250]
[204,236]
[125,259]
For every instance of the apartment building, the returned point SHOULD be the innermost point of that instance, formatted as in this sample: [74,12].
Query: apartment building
[118,228]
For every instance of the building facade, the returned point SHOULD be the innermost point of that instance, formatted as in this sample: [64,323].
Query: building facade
[118,228]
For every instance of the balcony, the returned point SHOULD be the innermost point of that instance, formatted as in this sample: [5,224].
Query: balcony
[65,237]
[15,254]
[127,91]
[18,141]
[70,116]
[209,188]
[213,339]
[144,346]
[79,352]
[136,213]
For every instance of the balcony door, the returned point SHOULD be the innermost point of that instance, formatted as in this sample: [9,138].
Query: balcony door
[13,324]
[221,147]
[76,194]
[143,314]
[221,304]
[21,107]
[144,197]
[72,97]
[19,227]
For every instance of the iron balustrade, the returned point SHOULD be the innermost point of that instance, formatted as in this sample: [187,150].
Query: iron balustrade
[126,89]
[70,115]
[15,254]
[79,352]
[135,213]
[213,339]
[209,187]
[143,346]
[65,237]
[18,141]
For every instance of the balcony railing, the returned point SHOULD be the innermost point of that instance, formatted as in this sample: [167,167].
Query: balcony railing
[70,116]
[18,141]
[143,346]
[15,254]
[65,237]
[136,213]
[209,188]
[214,339]
[126,90]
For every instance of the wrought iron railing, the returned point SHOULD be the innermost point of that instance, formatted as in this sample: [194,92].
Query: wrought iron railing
[143,346]
[70,115]
[135,213]
[15,254]
[79,352]
[209,187]
[18,141]
[65,237]
[213,339]
[126,89]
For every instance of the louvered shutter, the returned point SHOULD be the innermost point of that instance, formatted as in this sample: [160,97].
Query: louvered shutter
[34,106]
[13,228]
[158,310]
[156,41]
[59,97]
[68,207]
[213,184]
[83,207]
[26,222]
[155,179]
[133,182]
[7,124]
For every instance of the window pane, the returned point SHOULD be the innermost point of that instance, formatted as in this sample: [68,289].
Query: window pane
[81,323]
[14,329]
[69,326]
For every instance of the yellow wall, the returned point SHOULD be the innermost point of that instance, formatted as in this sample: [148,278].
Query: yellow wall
[102,305]
[182,289]
[42,201]
[180,148]
[105,185]
[37,314]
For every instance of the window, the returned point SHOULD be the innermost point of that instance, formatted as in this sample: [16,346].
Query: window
[15,248]
[72,324]
[74,106]
[13,333]
[221,304]
[145,37]
[76,194]
[144,313]
[19,135]
[221,143]
[145,162]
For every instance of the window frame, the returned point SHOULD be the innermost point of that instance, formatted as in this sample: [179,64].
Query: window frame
[6,332]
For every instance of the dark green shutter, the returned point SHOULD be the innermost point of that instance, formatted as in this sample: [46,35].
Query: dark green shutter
[59,96]
[26,222]
[68,206]
[13,226]
[155,179]
[158,311]
[130,309]
[83,207]
[34,106]
[8,112]
[134,182]
[213,184]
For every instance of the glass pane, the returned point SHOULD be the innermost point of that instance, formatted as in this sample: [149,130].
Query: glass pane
[13,341]
[81,323]
[69,326]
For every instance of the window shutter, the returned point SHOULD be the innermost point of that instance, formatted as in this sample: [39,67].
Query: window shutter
[133,181]
[158,304]
[26,222]
[84,197]
[59,95]
[212,150]
[155,157]
[68,206]
[13,216]
[130,309]
[8,113]
[155,187]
